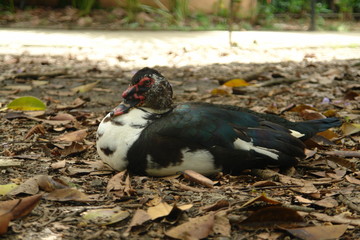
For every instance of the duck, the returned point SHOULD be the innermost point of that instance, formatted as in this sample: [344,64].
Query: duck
[148,134]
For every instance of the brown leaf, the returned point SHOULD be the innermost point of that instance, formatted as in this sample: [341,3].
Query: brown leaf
[5,218]
[328,134]
[272,217]
[301,107]
[49,184]
[161,210]
[344,153]
[69,194]
[30,186]
[120,185]
[309,114]
[138,219]
[63,116]
[261,198]
[318,232]
[59,164]
[352,180]
[73,148]
[198,178]
[75,136]
[85,88]
[218,205]
[351,165]
[342,218]
[78,102]
[39,128]
[306,187]
[195,228]
[222,224]
[328,202]
[350,128]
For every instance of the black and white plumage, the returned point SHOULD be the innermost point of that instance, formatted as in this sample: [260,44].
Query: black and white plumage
[150,135]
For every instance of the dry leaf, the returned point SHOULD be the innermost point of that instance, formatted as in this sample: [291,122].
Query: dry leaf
[78,102]
[318,232]
[69,194]
[350,128]
[222,224]
[84,88]
[75,136]
[161,210]
[39,128]
[59,164]
[261,198]
[73,148]
[352,180]
[218,205]
[16,208]
[195,228]
[236,83]
[342,218]
[105,216]
[198,178]
[272,217]
[30,186]
[138,219]
[306,187]
[6,188]
[328,202]
[222,90]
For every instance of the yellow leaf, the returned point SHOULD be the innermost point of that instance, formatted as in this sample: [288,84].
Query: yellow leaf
[85,88]
[350,128]
[4,189]
[27,104]
[222,90]
[237,82]
[105,216]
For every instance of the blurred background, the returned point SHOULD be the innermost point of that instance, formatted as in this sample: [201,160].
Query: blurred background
[334,15]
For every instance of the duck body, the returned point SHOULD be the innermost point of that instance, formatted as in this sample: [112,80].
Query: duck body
[207,138]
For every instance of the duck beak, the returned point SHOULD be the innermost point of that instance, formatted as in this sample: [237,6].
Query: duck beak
[122,108]
[131,99]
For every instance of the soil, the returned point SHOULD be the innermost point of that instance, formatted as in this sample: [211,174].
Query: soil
[327,195]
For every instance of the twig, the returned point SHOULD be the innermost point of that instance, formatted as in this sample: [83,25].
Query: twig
[299,208]
[278,81]
[39,74]
[348,203]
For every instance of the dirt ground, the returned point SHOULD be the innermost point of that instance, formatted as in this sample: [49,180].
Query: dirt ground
[323,191]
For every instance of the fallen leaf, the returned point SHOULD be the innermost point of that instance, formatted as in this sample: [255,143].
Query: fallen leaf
[59,164]
[329,134]
[236,83]
[28,103]
[49,184]
[272,217]
[352,180]
[78,102]
[198,178]
[195,228]
[222,225]
[318,232]
[75,136]
[327,202]
[4,189]
[161,210]
[120,185]
[222,90]
[16,208]
[69,194]
[306,187]
[138,219]
[30,186]
[85,88]
[350,128]
[73,148]
[39,128]
[9,163]
[218,205]
[342,218]
[261,198]
[105,216]
[301,107]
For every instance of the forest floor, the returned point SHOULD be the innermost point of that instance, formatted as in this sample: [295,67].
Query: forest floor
[80,77]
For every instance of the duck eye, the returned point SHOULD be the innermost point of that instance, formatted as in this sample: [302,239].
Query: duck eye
[146,82]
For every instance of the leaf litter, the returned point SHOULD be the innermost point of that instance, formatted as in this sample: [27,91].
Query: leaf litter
[58,159]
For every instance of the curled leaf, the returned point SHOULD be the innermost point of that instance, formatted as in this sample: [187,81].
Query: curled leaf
[236,83]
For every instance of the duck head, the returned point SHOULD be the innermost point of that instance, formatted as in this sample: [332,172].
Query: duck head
[148,89]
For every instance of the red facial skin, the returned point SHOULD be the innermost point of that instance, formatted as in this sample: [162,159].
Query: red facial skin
[133,96]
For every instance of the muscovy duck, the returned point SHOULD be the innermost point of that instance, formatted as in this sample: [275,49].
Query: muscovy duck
[149,135]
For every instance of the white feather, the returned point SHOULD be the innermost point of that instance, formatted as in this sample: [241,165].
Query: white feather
[201,161]
[120,137]
[247,146]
